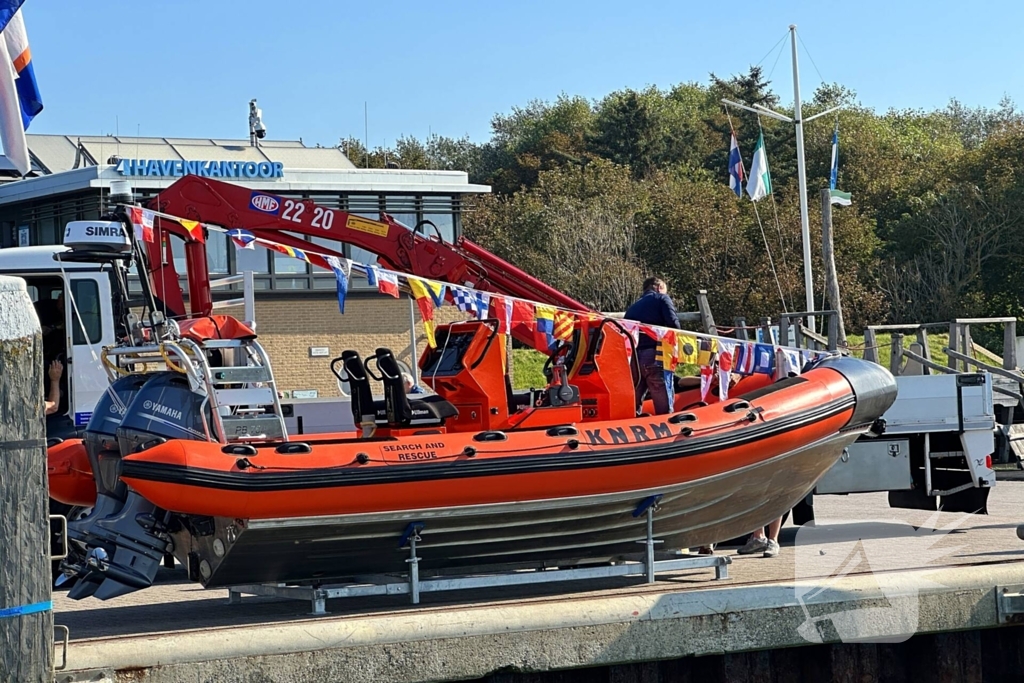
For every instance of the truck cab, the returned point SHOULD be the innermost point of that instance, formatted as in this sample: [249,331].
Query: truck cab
[75,305]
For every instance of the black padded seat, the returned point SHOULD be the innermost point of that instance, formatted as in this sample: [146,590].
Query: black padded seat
[429,411]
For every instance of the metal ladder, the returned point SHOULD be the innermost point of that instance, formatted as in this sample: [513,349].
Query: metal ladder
[240,413]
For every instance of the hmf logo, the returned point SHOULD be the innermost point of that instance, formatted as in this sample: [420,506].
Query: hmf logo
[264,203]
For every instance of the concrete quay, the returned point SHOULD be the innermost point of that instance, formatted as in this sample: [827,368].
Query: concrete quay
[865,573]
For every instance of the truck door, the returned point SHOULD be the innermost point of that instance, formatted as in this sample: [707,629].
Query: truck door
[89,320]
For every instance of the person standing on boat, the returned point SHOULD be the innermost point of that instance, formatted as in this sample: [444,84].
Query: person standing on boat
[655,307]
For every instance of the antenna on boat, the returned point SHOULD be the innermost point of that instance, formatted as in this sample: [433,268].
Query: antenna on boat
[801,166]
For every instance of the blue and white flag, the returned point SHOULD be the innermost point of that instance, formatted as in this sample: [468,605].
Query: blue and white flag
[471,301]
[242,238]
[342,268]
[21,56]
[12,126]
[835,160]
[736,170]
[836,196]
[464,300]
[483,305]
[764,359]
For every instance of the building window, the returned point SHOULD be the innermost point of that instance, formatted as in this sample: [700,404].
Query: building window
[217,253]
[445,224]
[254,259]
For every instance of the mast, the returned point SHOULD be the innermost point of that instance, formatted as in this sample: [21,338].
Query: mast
[798,121]
[801,172]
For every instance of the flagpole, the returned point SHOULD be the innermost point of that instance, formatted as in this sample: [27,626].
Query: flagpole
[801,171]
[798,120]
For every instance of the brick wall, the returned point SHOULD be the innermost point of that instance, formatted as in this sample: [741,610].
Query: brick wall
[287,329]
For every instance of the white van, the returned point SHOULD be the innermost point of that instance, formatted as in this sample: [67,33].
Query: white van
[75,340]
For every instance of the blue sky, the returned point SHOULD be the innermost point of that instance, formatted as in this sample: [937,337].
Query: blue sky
[186,68]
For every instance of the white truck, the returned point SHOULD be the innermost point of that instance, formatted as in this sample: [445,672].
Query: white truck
[73,334]
[936,452]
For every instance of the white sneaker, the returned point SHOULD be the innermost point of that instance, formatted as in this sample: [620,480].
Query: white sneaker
[772,550]
[753,545]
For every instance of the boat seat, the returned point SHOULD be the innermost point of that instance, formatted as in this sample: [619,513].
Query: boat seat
[429,411]
[364,411]
[519,400]
[398,409]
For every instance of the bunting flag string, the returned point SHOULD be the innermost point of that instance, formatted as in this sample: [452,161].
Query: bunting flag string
[549,323]
[142,221]
[707,373]
[342,268]
[725,360]
[564,325]
[243,239]
[545,317]
[194,229]
[385,281]
[424,300]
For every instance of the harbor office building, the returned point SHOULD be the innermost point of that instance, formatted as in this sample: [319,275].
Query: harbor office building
[296,306]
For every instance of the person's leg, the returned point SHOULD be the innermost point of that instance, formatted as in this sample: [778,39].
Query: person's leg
[757,543]
[659,392]
[645,359]
[670,389]
[772,549]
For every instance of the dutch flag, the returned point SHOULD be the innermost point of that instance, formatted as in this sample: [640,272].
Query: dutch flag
[20,100]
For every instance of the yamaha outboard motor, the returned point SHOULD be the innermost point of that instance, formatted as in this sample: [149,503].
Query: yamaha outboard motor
[125,547]
[100,441]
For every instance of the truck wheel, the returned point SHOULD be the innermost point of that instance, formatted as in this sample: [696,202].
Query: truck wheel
[974,501]
[803,512]
[912,499]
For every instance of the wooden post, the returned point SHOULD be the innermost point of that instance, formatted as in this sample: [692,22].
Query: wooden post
[954,342]
[784,323]
[896,353]
[740,325]
[26,617]
[707,320]
[834,324]
[1010,345]
[870,345]
[766,330]
[922,339]
[829,258]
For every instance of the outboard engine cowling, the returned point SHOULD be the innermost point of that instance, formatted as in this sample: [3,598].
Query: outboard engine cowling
[165,408]
[100,438]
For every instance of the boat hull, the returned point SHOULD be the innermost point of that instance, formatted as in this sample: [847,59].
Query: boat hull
[552,532]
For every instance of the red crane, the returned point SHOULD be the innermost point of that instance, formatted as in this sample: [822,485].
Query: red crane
[280,219]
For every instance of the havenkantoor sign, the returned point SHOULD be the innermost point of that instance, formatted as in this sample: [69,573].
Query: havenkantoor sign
[213,169]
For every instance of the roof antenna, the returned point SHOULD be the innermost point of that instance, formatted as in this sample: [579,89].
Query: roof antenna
[366,132]
[257,131]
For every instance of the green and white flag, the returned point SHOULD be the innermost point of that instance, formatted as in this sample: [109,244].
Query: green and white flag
[839,197]
[759,183]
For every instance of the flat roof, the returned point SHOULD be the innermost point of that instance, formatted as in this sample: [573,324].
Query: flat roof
[70,163]
[350,180]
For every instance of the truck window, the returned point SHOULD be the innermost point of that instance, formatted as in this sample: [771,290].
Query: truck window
[87,298]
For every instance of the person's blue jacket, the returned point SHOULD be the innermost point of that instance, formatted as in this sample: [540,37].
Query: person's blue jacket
[653,308]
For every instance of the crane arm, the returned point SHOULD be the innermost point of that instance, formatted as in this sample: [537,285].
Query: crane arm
[278,219]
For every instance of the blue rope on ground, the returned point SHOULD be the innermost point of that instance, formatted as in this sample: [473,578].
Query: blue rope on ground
[26,609]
